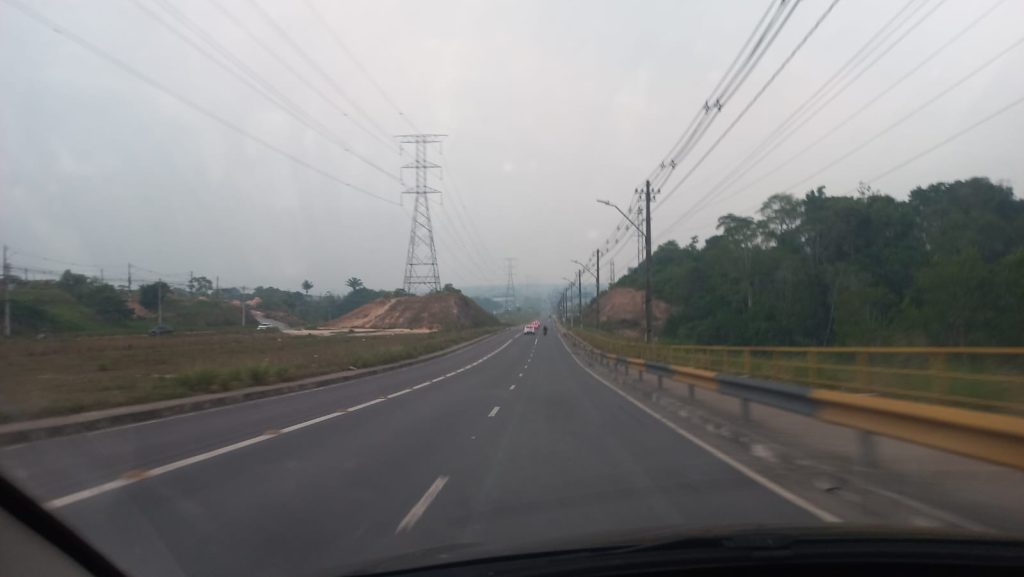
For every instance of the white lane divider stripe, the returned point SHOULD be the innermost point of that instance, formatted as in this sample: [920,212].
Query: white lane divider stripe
[90,492]
[364,405]
[399,393]
[420,507]
[512,388]
[135,476]
[494,411]
[298,426]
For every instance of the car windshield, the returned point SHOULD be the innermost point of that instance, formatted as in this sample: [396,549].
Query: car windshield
[338,287]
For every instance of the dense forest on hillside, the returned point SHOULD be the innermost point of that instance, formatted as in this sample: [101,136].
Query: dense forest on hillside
[944,267]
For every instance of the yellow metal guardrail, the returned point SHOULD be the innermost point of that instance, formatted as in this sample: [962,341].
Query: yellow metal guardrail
[989,378]
[982,435]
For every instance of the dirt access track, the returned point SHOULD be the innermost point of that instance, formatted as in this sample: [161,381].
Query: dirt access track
[433,312]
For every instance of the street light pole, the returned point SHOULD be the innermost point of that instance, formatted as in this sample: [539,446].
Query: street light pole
[647,244]
[579,291]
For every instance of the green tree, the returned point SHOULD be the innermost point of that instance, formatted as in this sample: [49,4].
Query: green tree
[200,285]
[944,267]
[355,283]
[104,300]
[306,286]
[150,295]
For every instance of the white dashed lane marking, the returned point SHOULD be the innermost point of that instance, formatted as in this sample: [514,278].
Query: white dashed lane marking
[135,476]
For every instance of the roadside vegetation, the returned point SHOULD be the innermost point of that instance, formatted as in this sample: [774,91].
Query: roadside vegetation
[943,268]
[65,375]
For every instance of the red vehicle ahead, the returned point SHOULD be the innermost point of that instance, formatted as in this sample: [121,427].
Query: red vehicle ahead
[531,328]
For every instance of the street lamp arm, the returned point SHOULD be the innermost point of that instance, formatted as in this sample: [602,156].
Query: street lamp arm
[586,268]
[624,215]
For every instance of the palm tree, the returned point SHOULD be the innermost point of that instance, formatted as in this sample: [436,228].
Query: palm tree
[355,283]
[306,285]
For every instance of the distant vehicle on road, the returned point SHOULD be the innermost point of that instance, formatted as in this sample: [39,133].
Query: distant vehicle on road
[529,329]
[161,330]
[265,327]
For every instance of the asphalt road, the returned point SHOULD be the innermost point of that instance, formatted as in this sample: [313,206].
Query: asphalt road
[505,445]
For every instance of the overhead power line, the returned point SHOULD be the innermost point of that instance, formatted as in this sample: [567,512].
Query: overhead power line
[757,44]
[769,143]
[250,77]
[319,17]
[736,173]
[912,113]
[728,85]
[247,30]
[156,85]
[752,102]
[786,129]
[318,69]
[947,140]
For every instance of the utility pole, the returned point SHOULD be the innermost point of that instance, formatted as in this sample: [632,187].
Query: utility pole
[7,295]
[216,291]
[242,300]
[639,234]
[579,291]
[129,278]
[597,295]
[421,259]
[101,275]
[159,301]
[648,329]
[611,274]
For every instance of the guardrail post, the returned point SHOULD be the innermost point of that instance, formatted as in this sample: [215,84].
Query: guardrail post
[745,409]
[868,449]
[639,375]
[692,391]
[659,382]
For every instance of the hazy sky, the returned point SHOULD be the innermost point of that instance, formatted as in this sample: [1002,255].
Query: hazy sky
[548,105]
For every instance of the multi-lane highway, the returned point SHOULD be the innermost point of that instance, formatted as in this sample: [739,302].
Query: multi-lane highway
[504,445]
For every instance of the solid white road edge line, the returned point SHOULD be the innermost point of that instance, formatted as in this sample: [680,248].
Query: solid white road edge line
[756,477]
[146,474]
[420,507]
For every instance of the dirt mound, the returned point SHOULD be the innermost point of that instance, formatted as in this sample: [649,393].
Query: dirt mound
[624,307]
[440,311]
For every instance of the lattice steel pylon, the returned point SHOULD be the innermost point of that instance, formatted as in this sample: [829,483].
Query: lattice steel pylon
[421,260]
[510,286]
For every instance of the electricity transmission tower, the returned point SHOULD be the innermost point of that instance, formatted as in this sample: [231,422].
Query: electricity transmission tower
[510,286]
[421,259]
